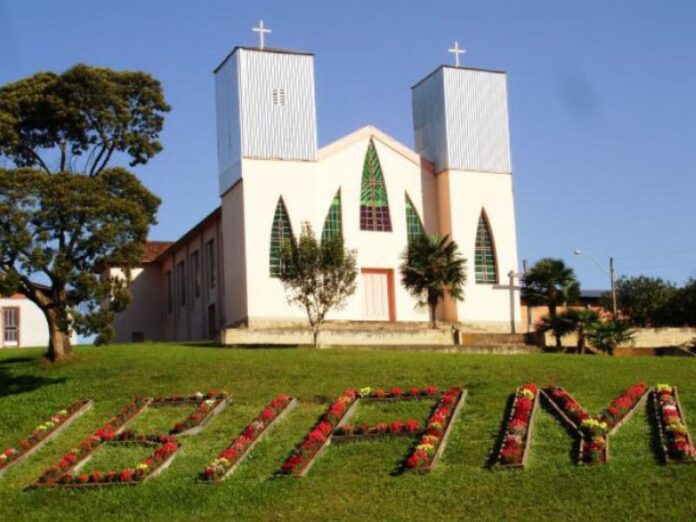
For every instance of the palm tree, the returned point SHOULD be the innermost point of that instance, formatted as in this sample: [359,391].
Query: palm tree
[432,266]
[551,283]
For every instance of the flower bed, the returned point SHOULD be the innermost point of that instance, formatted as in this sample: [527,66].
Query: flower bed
[514,449]
[227,461]
[432,443]
[77,456]
[594,431]
[368,394]
[209,405]
[675,440]
[304,455]
[42,434]
[394,429]
[165,448]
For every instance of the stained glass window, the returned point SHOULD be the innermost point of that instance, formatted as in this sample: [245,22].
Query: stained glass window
[374,205]
[281,232]
[486,270]
[333,224]
[414,225]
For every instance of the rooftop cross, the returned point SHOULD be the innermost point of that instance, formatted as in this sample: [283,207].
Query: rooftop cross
[456,51]
[261,30]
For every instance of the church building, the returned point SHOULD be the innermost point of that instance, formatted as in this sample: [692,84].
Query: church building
[377,193]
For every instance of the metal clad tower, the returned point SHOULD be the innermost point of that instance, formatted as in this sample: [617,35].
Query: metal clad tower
[461,119]
[265,109]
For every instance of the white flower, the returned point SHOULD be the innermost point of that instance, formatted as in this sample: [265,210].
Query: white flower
[199,395]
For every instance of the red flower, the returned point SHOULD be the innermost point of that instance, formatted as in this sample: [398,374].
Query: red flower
[395,427]
[396,392]
[412,426]
[430,390]
[126,475]
[293,462]
[267,414]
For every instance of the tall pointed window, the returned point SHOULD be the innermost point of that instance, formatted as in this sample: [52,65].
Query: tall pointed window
[281,233]
[333,225]
[486,263]
[374,205]
[414,225]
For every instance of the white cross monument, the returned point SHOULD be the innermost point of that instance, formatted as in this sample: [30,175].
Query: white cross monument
[456,51]
[261,30]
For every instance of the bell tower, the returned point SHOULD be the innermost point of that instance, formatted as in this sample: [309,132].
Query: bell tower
[460,120]
[265,108]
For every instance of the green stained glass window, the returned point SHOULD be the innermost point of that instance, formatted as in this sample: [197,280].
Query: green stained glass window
[281,232]
[333,224]
[414,225]
[374,205]
[485,261]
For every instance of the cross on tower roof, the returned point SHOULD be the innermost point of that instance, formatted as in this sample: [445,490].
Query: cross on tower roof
[456,51]
[261,30]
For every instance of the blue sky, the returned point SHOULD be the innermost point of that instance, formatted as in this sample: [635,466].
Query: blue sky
[601,100]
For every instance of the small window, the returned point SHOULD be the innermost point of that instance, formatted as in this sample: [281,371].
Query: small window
[137,337]
[196,267]
[181,282]
[10,326]
[279,97]
[170,291]
[210,260]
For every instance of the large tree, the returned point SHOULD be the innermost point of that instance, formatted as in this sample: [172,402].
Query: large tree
[642,299]
[318,276]
[552,284]
[64,213]
[431,268]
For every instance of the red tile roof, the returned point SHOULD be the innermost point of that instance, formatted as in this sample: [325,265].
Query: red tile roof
[152,249]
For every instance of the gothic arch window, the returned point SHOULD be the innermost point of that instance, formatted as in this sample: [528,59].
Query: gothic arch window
[485,259]
[333,224]
[374,205]
[281,233]
[414,225]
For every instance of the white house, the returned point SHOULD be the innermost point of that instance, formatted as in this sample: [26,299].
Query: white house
[374,191]
[22,323]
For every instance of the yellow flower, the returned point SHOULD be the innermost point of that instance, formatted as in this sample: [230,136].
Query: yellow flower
[143,466]
[364,392]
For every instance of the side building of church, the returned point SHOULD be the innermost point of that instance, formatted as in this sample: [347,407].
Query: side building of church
[374,191]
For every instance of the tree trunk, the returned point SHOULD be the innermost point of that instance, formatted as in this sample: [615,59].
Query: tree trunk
[59,344]
[315,335]
[433,315]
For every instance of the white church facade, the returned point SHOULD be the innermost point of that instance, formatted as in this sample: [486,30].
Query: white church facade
[374,191]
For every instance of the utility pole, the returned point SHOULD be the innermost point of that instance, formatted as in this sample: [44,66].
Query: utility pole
[612,278]
[530,319]
[511,286]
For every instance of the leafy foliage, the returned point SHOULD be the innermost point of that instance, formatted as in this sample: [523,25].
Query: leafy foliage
[642,299]
[319,276]
[551,283]
[63,226]
[607,335]
[86,113]
[431,268]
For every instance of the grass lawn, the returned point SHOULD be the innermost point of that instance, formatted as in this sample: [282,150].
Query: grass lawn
[351,481]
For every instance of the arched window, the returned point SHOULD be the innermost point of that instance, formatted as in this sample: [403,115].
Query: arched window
[414,225]
[486,263]
[374,205]
[333,225]
[281,233]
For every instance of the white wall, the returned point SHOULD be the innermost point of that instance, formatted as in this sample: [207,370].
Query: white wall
[307,189]
[484,305]
[144,313]
[33,328]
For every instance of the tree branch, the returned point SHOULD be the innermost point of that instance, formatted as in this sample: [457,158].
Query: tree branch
[106,160]
[37,158]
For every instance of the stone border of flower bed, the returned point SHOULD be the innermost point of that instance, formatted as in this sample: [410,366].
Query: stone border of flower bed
[319,437]
[221,400]
[580,457]
[289,406]
[457,404]
[519,393]
[165,445]
[111,429]
[73,414]
[662,428]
